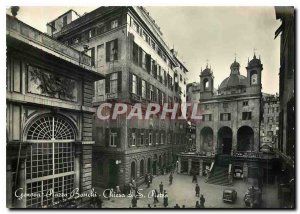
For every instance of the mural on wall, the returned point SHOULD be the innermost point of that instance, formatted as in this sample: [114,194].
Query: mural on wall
[48,84]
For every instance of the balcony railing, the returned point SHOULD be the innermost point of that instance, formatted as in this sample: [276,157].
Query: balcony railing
[27,34]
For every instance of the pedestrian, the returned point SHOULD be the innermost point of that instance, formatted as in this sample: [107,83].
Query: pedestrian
[177,206]
[148,183]
[118,191]
[146,178]
[197,190]
[151,178]
[171,178]
[194,178]
[149,206]
[183,206]
[134,201]
[197,204]
[161,188]
[166,200]
[155,196]
[202,201]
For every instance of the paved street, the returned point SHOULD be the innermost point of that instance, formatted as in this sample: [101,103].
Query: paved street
[182,192]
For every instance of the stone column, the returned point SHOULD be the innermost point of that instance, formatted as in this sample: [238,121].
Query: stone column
[189,166]
[179,165]
[201,167]
[21,183]
[234,141]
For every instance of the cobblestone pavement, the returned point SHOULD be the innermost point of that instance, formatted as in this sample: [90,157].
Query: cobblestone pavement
[182,191]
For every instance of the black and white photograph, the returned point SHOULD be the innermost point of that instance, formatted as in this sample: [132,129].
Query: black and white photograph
[140,107]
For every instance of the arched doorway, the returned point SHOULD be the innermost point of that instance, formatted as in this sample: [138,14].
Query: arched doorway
[225,140]
[50,162]
[245,138]
[149,165]
[154,164]
[133,170]
[206,138]
[142,167]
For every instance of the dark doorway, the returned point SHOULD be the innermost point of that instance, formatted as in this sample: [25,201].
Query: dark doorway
[113,173]
[154,167]
[225,140]
[245,139]
[133,170]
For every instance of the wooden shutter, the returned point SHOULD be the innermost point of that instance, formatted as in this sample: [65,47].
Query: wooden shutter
[130,81]
[119,81]
[119,137]
[147,90]
[107,51]
[229,116]
[140,56]
[140,86]
[148,63]
[107,83]
[135,53]
[129,133]
[116,48]
[221,117]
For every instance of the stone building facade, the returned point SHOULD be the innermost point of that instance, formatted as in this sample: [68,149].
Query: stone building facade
[287,140]
[128,47]
[269,128]
[228,136]
[49,89]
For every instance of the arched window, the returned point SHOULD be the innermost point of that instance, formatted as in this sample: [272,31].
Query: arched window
[142,166]
[206,84]
[133,170]
[50,161]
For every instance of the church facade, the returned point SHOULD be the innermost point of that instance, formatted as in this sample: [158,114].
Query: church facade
[227,137]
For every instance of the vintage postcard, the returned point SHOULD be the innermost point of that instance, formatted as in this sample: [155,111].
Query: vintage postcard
[150,107]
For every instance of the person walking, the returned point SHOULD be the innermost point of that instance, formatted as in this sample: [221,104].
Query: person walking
[151,178]
[194,178]
[202,201]
[165,199]
[197,190]
[177,206]
[171,178]
[155,193]
[197,204]
[134,201]
[161,188]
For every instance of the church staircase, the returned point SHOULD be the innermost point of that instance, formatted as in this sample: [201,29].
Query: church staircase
[219,172]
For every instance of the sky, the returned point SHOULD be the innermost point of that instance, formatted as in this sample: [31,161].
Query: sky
[201,35]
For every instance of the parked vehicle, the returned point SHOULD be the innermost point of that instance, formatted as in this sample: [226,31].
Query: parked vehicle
[229,195]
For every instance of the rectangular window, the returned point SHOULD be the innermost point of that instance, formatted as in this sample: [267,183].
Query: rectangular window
[114,82]
[144,60]
[133,142]
[151,92]
[135,26]
[114,24]
[225,105]
[206,107]
[161,139]
[206,117]
[112,50]
[225,116]
[144,92]
[65,20]
[113,139]
[157,139]
[134,84]
[246,116]
[245,103]
[150,138]
[153,44]
[91,53]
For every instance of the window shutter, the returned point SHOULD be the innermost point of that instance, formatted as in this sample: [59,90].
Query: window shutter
[129,132]
[221,117]
[210,117]
[107,83]
[148,62]
[135,53]
[139,86]
[119,81]
[147,90]
[107,137]
[130,81]
[155,94]
[229,116]
[107,51]
[140,56]
[138,137]
[116,49]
